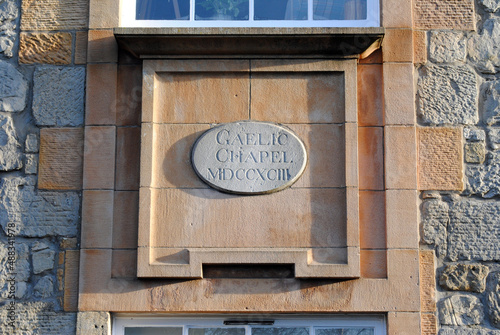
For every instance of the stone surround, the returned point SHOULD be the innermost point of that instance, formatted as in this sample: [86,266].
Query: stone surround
[428,140]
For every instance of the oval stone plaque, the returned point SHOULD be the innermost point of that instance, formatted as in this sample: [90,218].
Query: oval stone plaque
[249,157]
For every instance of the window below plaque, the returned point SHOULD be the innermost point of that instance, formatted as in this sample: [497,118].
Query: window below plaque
[248,325]
[250,13]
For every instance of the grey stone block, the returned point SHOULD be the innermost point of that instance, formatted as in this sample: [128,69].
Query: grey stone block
[474,230]
[44,288]
[461,310]
[93,323]
[490,5]
[490,95]
[11,157]
[448,95]
[32,144]
[13,88]
[435,224]
[462,228]
[37,213]
[9,12]
[484,180]
[58,96]
[484,48]
[21,289]
[31,164]
[494,300]
[38,318]
[22,267]
[474,135]
[43,261]
[447,47]
[475,152]
[494,137]
[467,331]
[464,277]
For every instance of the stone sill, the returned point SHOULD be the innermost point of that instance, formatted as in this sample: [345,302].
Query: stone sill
[245,42]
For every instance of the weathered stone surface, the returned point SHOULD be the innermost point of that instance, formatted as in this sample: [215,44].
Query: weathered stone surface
[71,275]
[484,48]
[31,164]
[22,265]
[484,179]
[8,15]
[58,96]
[45,48]
[435,224]
[32,143]
[490,5]
[428,324]
[440,161]
[448,95]
[44,288]
[464,277]
[61,159]
[427,279]
[494,300]
[13,88]
[475,152]
[38,318]
[68,243]
[81,42]
[443,14]
[461,310]
[494,137]
[43,261]
[447,47]
[54,14]
[467,331]
[11,157]
[21,289]
[463,229]
[93,323]
[37,213]
[474,230]
[474,135]
[490,94]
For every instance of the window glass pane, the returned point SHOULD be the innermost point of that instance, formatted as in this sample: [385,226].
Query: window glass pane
[221,9]
[280,10]
[216,331]
[339,9]
[153,331]
[345,331]
[162,10]
[280,331]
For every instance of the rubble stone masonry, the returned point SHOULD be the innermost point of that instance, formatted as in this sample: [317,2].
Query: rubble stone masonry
[42,86]
[462,72]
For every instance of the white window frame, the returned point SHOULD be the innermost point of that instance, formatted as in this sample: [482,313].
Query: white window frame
[312,322]
[128,8]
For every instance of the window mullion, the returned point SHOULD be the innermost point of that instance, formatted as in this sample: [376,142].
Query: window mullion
[191,10]
[309,10]
[251,10]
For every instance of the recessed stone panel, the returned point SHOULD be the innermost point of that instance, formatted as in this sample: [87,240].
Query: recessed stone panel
[192,110]
[208,218]
[299,97]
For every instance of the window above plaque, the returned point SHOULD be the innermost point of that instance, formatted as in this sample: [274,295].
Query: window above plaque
[250,13]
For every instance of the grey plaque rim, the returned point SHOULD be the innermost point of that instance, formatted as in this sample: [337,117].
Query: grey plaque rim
[273,190]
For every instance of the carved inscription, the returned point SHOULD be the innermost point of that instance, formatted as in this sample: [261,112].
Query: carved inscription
[249,157]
